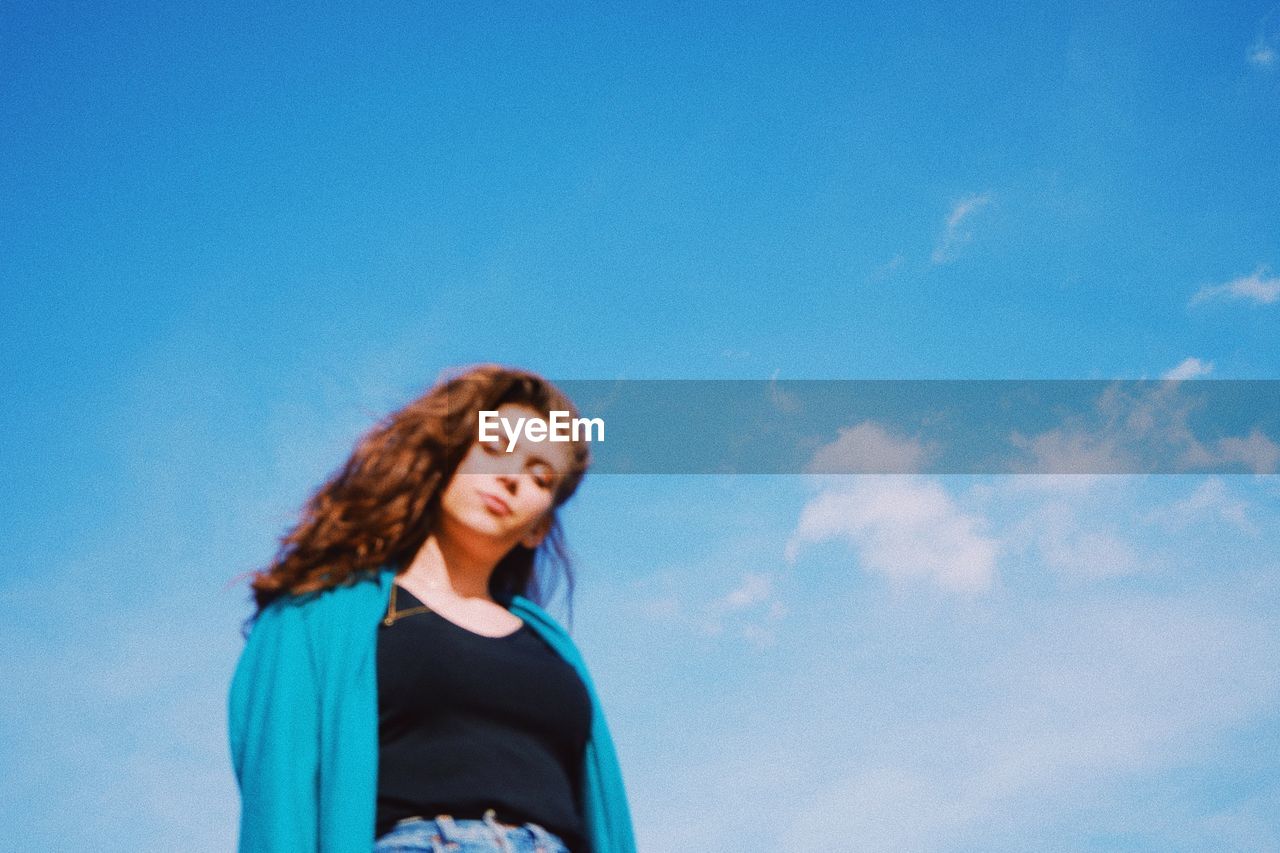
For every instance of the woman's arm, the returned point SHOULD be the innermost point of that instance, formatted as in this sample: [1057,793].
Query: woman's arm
[274,727]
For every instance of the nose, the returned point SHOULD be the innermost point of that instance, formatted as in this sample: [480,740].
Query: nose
[509,482]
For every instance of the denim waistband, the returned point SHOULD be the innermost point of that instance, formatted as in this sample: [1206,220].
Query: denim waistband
[487,827]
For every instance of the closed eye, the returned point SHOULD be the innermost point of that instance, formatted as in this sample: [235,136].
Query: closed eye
[544,475]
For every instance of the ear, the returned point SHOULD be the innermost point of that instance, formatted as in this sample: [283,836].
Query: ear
[537,533]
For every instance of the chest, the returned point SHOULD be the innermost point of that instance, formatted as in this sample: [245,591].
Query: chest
[485,618]
[431,671]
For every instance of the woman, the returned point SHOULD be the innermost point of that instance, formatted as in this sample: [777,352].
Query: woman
[400,689]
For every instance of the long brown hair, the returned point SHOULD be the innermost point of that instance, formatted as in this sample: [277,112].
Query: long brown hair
[380,506]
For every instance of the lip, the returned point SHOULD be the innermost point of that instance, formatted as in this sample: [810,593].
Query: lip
[495,503]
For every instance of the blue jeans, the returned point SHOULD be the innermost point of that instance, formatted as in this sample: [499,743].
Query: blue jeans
[468,835]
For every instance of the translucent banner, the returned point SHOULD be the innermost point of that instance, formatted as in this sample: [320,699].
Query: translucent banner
[931,426]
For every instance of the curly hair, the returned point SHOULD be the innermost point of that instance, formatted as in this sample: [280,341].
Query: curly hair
[381,505]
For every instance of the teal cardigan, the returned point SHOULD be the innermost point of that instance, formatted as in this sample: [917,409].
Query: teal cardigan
[303,725]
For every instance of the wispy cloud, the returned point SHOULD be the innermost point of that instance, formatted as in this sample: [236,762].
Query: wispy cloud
[1190,368]
[1258,288]
[1125,427]
[755,605]
[751,609]
[954,233]
[738,598]
[780,399]
[1074,539]
[1255,451]
[1210,501]
[1076,451]
[1090,699]
[1262,54]
[887,269]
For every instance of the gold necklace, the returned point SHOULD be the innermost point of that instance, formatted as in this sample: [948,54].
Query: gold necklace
[393,614]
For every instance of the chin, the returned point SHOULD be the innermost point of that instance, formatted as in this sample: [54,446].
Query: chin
[477,522]
[484,523]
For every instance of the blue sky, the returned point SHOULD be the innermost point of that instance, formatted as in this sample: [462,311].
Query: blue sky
[234,237]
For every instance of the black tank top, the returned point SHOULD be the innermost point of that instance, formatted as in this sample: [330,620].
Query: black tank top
[468,722]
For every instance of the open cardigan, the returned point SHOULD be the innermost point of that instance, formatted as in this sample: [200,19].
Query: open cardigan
[303,725]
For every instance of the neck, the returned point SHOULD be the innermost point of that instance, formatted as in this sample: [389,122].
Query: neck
[443,562]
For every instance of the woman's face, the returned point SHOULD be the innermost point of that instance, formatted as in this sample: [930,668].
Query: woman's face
[507,497]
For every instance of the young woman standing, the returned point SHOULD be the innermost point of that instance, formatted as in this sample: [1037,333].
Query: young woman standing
[401,688]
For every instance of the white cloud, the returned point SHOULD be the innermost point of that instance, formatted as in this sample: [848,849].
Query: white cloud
[1261,54]
[753,607]
[1118,427]
[731,593]
[115,706]
[780,399]
[1075,452]
[1128,427]
[1190,368]
[1258,288]
[1072,544]
[1256,452]
[931,723]
[887,269]
[662,607]
[954,235]
[1210,500]
[903,527]
[867,448]
[1091,700]
[755,587]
